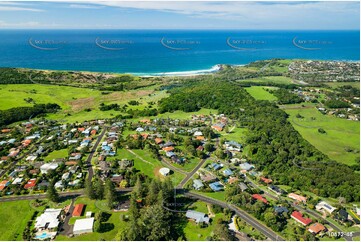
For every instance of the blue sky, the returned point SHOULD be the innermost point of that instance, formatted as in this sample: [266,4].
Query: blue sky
[180,15]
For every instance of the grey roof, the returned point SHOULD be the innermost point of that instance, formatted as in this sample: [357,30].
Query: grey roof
[197,184]
[246,166]
[243,186]
[197,216]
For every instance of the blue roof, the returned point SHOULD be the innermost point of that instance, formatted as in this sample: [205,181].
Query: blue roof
[228,172]
[216,166]
[216,186]
[170,154]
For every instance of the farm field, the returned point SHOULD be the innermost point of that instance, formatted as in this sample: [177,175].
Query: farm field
[260,93]
[341,134]
[339,84]
[74,101]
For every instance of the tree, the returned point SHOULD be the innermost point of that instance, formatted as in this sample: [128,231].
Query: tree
[89,192]
[52,194]
[98,189]
[221,232]
[109,193]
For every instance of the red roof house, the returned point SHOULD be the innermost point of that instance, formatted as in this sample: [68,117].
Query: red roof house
[260,198]
[266,180]
[299,218]
[78,210]
[316,228]
[4,184]
[30,184]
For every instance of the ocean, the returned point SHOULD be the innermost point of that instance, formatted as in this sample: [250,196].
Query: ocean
[166,52]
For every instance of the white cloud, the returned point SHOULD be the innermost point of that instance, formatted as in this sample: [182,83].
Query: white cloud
[85,6]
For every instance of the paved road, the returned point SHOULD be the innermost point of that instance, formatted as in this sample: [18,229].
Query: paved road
[61,194]
[242,214]
[189,175]
[66,228]
[90,157]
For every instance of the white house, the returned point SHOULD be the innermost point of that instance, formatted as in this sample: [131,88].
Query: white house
[47,167]
[83,226]
[325,206]
[48,220]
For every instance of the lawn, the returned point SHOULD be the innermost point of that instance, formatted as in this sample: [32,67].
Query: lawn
[215,195]
[268,79]
[237,134]
[13,219]
[57,154]
[192,231]
[150,170]
[340,133]
[260,93]
[339,84]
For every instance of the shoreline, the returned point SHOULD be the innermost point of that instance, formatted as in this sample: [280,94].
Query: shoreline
[214,69]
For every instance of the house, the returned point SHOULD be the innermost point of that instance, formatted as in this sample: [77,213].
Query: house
[280,210]
[296,215]
[276,190]
[139,129]
[297,197]
[65,176]
[44,169]
[227,172]
[170,154]
[117,179]
[168,148]
[48,220]
[30,184]
[232,180]
[266,180]
[216,186]
[158,141]
[232,146]
[243,186]
[59,185]
[197,184]
[246,166]
[259,198]
[342,215]
[82,226]
[167,144]
[78,210]
[17,181]
[198,133]
[31,158]
[317,228]
[207,177]
[325,206]
[200,148]
[218,126]
[215,166]
[198,217]
[4,184]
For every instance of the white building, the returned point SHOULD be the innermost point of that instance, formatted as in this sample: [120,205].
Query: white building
[48,220]
[47,167]
[325,206]
[83,226]
[164,171]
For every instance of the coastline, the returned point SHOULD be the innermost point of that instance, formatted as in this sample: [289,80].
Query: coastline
[211,70]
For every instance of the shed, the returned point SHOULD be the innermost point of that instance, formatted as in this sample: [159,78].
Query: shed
[83,226]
